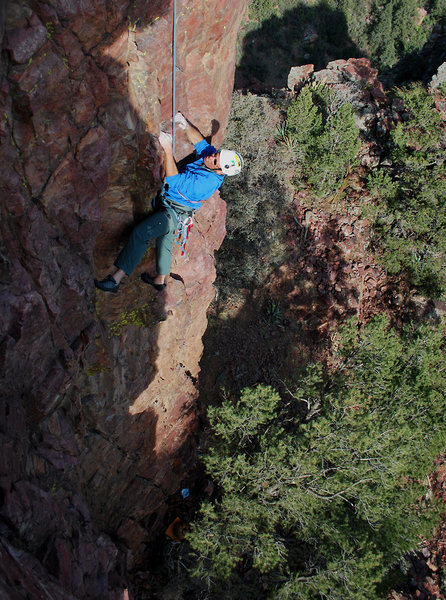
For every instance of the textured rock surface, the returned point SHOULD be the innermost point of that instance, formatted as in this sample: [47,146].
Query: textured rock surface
[439,78]
[97,412]
[298,76]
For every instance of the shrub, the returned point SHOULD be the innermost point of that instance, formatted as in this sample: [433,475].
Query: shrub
[387,31]
[320,507]
[393,33]
[256,199]
[409,211]
[325,137]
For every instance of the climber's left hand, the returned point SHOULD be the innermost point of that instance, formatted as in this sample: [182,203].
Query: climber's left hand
[165,141]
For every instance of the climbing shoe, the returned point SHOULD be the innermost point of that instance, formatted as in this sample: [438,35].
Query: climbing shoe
[107,285]
[147,279]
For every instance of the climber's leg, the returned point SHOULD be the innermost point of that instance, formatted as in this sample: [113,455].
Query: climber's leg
[163,255]
[156,225]
[164,245]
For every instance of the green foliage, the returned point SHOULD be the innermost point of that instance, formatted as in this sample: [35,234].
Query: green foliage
[244,420]
[418,141]
[273,312]
[409,213]
[255,199]
[382,41]
[49,29]
[304,120]
[336,150]
[319,506]
[356,12]
[387,31]
[394,33]
[438,10]
[324,137]
[261,10]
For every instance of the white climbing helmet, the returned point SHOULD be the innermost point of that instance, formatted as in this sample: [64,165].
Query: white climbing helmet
[231,163]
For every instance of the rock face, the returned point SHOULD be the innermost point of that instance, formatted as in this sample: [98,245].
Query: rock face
[97,412]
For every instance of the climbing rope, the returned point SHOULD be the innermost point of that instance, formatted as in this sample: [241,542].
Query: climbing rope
[174,68]
[185,223]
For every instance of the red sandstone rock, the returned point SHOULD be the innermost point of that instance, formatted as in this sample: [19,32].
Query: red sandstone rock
[379,94]
[299,75]
[422,14]
[108,401]
[329,76]
[23,42]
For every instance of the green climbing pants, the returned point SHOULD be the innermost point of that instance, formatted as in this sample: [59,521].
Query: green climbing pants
[160,225]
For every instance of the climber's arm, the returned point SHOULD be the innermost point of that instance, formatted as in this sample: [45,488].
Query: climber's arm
[193,134]
[170,166]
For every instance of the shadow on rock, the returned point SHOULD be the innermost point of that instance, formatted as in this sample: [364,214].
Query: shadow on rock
[92,443]
[280,327]
[305,34]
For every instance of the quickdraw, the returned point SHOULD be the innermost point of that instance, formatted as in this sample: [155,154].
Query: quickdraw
[183,233]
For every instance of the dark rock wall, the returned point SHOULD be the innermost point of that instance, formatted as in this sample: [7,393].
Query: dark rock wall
[97,392]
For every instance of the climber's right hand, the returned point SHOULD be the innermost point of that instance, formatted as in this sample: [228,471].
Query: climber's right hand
[181,120]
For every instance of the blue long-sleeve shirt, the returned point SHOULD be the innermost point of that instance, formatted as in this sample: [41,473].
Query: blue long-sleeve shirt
[194,183]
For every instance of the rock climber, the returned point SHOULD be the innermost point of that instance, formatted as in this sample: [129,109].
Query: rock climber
[185,190]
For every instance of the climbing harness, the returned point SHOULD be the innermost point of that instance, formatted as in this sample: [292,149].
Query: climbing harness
[174,68]
[185,222]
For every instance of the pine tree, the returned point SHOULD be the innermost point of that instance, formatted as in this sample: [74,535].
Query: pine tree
[321,503]
[382,39]
[408,37]
[335,151]
[325,138]
[304,120]
[409,214]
